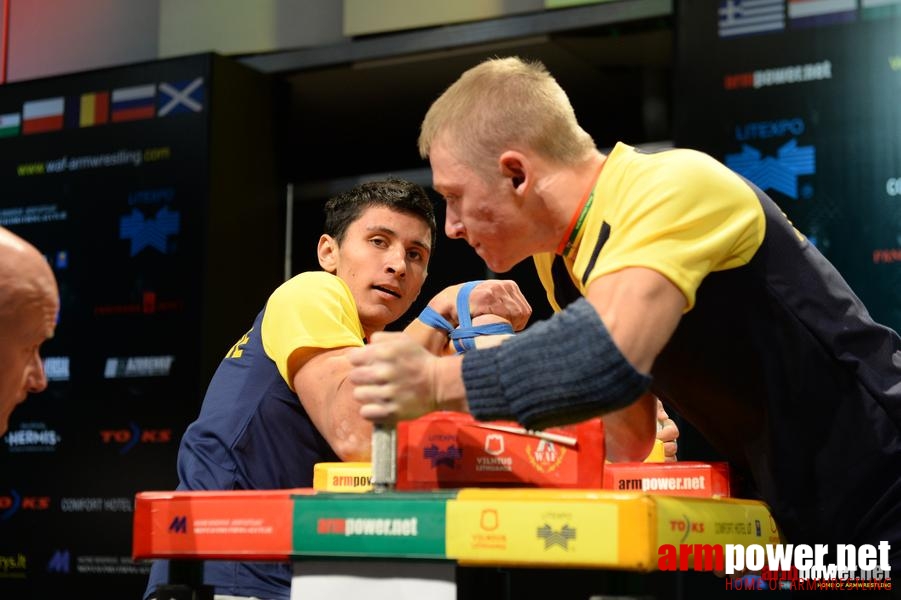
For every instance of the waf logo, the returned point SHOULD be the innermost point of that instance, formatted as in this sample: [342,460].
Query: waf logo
[12,503]
[546,456]
[779,173]
[437,456]
[556,538]
[134,435]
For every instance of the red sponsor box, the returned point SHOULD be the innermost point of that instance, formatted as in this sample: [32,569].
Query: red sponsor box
[214,524]
[685,478]
[453,450]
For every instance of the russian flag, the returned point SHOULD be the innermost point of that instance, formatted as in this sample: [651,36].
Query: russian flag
[132,103]
[87,110]
[42,115]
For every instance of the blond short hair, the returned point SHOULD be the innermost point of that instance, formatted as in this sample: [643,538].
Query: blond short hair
[505,103]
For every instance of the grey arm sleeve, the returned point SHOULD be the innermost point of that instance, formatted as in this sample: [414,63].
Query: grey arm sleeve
[563,370]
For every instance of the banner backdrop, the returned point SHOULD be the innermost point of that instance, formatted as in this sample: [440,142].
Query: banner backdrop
[108,174]
[804,99]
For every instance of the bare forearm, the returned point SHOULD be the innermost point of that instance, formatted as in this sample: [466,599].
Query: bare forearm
[629,432]
[450,393]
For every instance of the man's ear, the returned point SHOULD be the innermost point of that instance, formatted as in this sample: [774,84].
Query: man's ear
[513,166]
[327,251]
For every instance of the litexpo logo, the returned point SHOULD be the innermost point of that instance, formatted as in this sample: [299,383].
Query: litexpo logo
[785,565]
[780,173]
[438,457]
[153,233]
[560,538]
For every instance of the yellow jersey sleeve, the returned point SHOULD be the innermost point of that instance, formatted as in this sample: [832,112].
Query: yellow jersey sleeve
[311,310]
[678,212]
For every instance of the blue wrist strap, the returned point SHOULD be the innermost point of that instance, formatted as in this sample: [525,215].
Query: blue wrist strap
[463,337]
[433,318]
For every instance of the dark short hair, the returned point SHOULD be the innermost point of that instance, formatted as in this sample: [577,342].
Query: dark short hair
[396,194]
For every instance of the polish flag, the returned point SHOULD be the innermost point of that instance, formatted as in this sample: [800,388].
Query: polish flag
[42,115]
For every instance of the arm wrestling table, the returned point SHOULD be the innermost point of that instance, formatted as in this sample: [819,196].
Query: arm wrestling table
[408,544]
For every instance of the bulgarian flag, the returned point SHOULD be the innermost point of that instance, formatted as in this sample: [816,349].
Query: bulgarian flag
[10,124]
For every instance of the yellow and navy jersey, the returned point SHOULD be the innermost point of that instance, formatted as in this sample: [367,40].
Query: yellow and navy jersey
[708,221]
[252,431]
[776,362]
[311,310]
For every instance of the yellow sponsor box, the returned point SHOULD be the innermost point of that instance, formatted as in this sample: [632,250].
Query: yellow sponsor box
[351,477]
[714,521]
[593,528]
[561,528]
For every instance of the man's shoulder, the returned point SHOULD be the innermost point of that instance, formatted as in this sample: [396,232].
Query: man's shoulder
[310,282]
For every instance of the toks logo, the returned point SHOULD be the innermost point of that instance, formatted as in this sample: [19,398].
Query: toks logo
[131,437]
[14,502]
[686,526]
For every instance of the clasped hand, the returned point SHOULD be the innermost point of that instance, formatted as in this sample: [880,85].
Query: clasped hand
[394,378]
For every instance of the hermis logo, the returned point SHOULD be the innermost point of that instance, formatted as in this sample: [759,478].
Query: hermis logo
[13,503]
[779,173]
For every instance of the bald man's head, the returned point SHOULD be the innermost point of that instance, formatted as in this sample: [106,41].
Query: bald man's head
[29,302]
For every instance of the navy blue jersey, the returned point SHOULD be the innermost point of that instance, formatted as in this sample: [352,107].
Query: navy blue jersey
[252,432]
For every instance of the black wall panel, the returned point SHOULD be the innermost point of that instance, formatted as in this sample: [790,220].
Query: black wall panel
[804,99]
[153,191]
